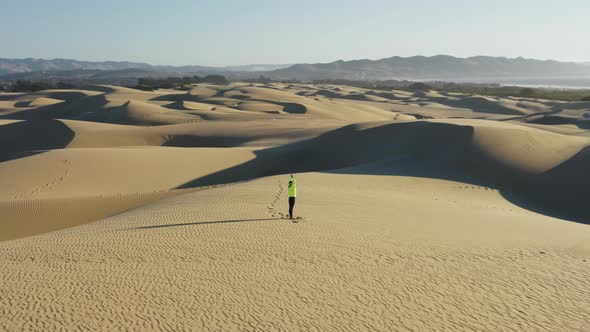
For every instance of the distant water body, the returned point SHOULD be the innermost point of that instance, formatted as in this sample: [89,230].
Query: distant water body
[544,82]
[549,86]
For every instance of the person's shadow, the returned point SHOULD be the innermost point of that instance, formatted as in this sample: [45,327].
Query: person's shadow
[204,223]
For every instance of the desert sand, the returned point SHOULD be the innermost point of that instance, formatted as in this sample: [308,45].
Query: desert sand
[416,211]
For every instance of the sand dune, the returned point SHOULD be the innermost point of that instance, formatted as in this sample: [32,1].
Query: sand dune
[63,188]
[20,138]
[544,167]
[366,256]
[41,101]
[109,171]
[25,216]
[418,211]
[112,104]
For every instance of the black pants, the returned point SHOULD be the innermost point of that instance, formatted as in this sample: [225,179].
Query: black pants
[291,205]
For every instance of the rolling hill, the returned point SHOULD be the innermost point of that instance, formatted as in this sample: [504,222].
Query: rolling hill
[10,66]
[440,67]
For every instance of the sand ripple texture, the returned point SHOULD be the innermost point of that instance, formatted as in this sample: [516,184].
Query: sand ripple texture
[364,258]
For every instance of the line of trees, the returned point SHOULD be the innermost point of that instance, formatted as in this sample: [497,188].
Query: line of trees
[32,86]
[150,83]
[492,89]
[260,79]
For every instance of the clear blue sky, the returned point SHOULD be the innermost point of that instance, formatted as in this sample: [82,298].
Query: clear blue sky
[223,32]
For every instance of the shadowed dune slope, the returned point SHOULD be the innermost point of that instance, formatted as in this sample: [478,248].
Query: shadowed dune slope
[546,169]
[306,127]
[346,104]
[466,142]
[20,138]
[25,137]
[530,164]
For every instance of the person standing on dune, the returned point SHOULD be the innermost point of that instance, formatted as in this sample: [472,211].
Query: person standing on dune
[292,194]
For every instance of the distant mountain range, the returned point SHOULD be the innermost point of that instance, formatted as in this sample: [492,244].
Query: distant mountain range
[440,67]
[12,66]
[89,76]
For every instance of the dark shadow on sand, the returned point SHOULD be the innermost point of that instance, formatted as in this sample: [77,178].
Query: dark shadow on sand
[427,150]
[541,194]
[204,223]
[348,146]
[26,138]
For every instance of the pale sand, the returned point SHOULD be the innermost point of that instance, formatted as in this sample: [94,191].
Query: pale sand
[451,223]
[369,255]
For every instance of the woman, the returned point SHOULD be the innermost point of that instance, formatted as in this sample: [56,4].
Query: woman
[292,194]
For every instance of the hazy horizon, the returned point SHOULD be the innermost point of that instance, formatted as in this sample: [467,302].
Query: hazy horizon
[276,64]
[229,33]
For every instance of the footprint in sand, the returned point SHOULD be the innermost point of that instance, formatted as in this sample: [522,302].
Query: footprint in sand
[299,219]
[275,214]
[49,185]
